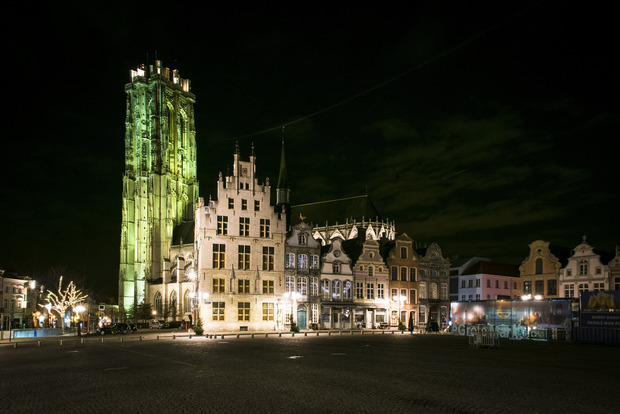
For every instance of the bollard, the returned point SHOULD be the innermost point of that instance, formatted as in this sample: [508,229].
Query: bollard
[252,335]
[190,336]
[317,334]
[140,337]
[292,334]
[280,335]
[61,342]
[82,340]
[238,336]
[121,339]
[174,337]
[305,333]
[39,343]
[158,337]
[14,345]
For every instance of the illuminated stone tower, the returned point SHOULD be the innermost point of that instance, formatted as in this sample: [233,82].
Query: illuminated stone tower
[160,188]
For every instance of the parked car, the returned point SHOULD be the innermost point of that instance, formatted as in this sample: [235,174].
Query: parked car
[155,324]
[122,328]
[107,330]
[133,327]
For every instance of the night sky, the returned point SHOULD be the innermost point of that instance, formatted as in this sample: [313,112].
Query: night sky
[481,126]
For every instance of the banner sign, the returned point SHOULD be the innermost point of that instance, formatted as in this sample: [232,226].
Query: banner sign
[607,300]
[610,320]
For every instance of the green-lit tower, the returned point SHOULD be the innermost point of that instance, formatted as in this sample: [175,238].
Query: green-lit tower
[160,187]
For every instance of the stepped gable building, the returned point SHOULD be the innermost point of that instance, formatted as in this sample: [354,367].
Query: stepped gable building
[402,261]
[433,282]
[540,271]
[160,187]
[347,218]
[487,280]
[240,243]
[371,283]
[302,274]
[336,287]
[587,270]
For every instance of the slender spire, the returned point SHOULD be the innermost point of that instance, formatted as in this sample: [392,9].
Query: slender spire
[283,176]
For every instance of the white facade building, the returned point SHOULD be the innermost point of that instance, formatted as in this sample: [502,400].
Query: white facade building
[586,271]
[239,240]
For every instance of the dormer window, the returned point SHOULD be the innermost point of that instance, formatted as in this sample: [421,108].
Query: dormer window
[303,238]
[336,267]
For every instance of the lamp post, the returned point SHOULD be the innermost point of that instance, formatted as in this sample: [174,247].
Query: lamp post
[194,295]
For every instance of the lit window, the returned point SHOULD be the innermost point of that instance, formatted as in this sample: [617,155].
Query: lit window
[219,309]
[244,204]
[268,257]
[302,261]
[268,287]
[314,262]
[302,285]
[370,290]
[244,257]
[244,311]
[218,285]
[268,314]
[289,285]
[256,205]
[222,225]
[231,203]
[244,226]
[290,260]
[265,228]
[336,289]
[314,286]
[244,286]
[346,290]
[219,256]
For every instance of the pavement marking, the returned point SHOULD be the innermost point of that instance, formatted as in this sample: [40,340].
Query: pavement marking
[295,357]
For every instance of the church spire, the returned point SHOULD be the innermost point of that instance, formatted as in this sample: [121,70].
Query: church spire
[282,190]
[283,176]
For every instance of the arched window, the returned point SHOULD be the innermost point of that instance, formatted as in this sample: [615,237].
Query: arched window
[539,266]
[187,302]
[325,289]
[173,303]
[433,291]
[158,304]
[336,289]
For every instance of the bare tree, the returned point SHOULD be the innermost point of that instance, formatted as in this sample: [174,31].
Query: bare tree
[70,297]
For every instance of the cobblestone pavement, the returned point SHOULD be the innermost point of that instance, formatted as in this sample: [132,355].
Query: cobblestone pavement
[324,374]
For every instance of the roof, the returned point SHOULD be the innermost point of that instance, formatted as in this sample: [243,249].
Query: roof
[183,232]
[352,208]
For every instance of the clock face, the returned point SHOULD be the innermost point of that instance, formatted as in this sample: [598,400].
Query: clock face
[433,255]
[337,253]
